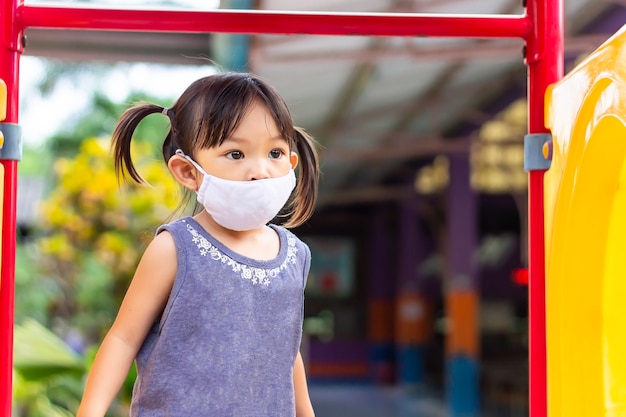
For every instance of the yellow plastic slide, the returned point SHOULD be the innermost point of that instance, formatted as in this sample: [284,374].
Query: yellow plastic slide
[585,214]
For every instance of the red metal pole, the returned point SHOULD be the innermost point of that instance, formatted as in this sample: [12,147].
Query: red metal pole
[250,22]
[276,22]
[544,57]
[10,52]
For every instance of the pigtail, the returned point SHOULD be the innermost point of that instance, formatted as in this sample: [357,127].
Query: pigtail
[122,136]
[303,202]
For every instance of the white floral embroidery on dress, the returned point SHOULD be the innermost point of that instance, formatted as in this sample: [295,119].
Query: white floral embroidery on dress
[258,276]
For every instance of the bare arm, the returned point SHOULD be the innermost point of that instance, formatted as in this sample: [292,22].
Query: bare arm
[303,402]
[143,304]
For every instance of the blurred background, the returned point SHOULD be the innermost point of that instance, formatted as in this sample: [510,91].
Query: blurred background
[416,304]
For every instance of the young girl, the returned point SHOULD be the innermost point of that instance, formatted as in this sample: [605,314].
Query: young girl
[213,316]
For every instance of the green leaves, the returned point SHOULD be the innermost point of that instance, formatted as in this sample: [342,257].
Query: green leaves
[39,353]
[47,374]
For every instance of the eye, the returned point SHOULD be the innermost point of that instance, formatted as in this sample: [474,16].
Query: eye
[276,153]
[234,155]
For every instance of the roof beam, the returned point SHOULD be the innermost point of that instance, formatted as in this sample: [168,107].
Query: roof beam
[487,50]
[100,45]
[403,148]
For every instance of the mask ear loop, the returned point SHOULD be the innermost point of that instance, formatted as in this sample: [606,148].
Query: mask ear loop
[180,152]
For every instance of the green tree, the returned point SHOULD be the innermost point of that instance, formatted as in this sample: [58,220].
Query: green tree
[95,230]
[46,373]
[74,269]
[73,275]
[103,115]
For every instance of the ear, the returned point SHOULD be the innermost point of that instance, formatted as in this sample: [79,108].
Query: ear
[184,172]
[293,159]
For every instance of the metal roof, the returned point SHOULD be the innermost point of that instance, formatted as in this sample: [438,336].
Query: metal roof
[378,105]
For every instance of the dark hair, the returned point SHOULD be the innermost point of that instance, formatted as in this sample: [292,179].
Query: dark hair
[206,114]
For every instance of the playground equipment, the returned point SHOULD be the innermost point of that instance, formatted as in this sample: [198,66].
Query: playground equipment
[540,28]
[585,236]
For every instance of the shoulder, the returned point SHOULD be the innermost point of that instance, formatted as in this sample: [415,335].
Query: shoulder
[161,249]
[180,231]
[299,247]
[154,275]
[165,249]
[290,236]
[174,226]
[300,254]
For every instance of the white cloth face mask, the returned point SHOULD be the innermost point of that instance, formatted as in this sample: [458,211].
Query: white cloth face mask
[242,205]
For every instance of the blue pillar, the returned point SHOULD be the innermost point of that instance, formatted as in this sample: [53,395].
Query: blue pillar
[232,51]
[412,318]
[380,298]
[461,293]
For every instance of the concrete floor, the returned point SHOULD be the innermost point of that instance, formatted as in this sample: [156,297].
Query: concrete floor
[371,401]
[345,400]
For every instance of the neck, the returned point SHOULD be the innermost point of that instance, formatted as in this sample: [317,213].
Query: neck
[220,232]
[262,243]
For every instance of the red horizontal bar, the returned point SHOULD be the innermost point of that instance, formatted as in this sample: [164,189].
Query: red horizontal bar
[275,22]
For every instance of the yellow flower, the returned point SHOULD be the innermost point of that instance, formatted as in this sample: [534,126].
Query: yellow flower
[90,212]
[58,246]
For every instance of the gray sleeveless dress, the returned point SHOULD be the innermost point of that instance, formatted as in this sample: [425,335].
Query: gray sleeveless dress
[227,340]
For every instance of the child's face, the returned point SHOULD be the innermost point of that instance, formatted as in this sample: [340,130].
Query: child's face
[256,150]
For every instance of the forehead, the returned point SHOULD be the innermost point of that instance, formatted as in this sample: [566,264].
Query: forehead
[257,117]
